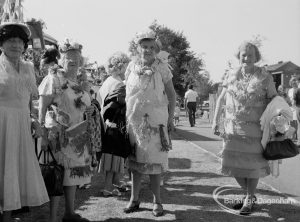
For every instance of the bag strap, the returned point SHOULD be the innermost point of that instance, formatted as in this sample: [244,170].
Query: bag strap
[46,155]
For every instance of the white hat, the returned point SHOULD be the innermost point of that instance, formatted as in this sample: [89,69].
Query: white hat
[146,34]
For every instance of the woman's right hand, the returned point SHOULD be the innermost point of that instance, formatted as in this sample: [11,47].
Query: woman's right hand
[215,128]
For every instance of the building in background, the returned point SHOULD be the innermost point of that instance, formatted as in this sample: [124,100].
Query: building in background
[282,72]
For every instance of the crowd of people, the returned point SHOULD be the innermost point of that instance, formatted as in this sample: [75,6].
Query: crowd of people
[135,105]
[126,125]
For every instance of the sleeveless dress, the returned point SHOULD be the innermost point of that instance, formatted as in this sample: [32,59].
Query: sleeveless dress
[147,116]
[246,99]
[75,158]
[21,181]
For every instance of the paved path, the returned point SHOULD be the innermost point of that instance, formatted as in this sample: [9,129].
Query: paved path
[188,193]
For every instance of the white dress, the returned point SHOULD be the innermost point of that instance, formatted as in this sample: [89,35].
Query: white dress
[147,116]
[76,160]
[21,182]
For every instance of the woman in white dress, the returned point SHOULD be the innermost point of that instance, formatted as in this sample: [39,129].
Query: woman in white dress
[21,182]
[150,100]
[66,102]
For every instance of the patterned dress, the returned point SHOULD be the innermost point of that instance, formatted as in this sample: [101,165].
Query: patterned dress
[71,151]
[147,116]
[246,99]
[21,182]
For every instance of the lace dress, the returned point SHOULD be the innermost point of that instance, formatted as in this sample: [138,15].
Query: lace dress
[73,151]
[246,99]
[147,116]
[21,182]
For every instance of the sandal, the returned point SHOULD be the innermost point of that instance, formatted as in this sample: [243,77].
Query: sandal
[116,193]
[158,209]
[106,193]
[133,207]
[122,188]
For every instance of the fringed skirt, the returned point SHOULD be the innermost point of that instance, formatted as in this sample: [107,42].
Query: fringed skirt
[242,157]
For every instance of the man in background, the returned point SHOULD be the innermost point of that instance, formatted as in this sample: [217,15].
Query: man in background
[190,104]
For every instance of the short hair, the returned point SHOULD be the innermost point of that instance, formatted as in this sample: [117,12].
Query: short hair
[249,45]
[191,86]
[13,31]
[292,79]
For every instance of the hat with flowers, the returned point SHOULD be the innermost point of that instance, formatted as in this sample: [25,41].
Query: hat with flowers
[69,44]
[145,34]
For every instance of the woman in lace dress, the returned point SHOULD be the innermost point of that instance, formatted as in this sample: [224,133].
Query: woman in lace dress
[62,106]
[150,100]
[21,182]
[245,95]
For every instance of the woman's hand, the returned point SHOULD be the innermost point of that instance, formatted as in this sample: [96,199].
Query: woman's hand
[44,143]
[170,124]
[215,128]
[37,129]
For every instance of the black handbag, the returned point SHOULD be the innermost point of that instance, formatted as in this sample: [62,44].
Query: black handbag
[276,150]
[52,172]
[116,141]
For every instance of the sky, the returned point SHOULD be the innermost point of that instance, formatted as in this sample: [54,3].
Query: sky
[214,28]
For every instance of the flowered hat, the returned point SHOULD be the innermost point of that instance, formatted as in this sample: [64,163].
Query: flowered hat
[146,34]
[23,26]
[69,44]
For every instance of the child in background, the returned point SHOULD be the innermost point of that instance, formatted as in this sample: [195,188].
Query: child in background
[176,114]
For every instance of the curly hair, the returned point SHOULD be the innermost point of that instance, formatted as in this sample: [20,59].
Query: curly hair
[117,61]
[13,31]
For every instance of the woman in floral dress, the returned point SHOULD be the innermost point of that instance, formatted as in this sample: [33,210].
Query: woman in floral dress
[150,100]
[21,182]
[62,106]
[245,95]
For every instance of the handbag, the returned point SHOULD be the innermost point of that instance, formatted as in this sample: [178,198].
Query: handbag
[52,172]
[276,150]
[116,142]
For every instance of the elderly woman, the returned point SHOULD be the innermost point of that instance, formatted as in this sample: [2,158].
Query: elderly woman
[21,182]
[150,100]
[245,95]
[62,106]
[112,165]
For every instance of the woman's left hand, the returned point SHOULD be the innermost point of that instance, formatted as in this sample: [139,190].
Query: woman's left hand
[36,127]
[170,125]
